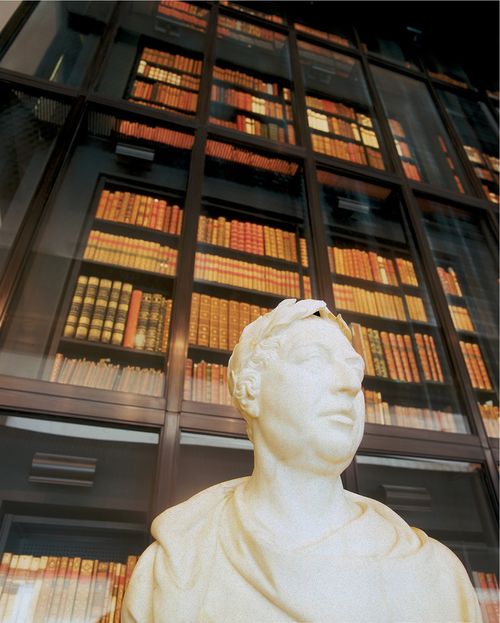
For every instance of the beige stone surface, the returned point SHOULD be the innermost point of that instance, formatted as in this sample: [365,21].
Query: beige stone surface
[288,543]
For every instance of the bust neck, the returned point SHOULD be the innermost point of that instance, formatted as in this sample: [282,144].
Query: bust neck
[293,503]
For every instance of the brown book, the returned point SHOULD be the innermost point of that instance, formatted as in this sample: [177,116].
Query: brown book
[404,358]
[411,358]
[224,324]
[109,319]
[422,353]
[204,321]
[157,302]
[389,356]
[121,315]
[214,322]
[87,309]
[132,319]
[99,313]
[142,321]
[75,307]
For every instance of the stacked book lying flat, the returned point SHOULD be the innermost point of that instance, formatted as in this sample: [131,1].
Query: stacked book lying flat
[59,589]
[475,365]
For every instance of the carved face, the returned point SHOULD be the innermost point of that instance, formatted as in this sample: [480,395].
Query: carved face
[311,407]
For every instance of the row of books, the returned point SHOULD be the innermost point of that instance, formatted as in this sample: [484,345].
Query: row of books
[416,308]
[60,589]
[391,355]
[461,318]
[254,127]
[251,238]
[445,78]
[347,129]
[131,252]
[158,74]
[475,365]
[247,32]
[338,148]
[190,14]
[172,61]
[337,108]
[112,312]
[249,82]
[250,158]
[491,418]
[371,266]
[238,7]
[490,194]
[206,382]
[408,161]
[252,276]
[367,302]
[103,374]
[218,323]
[140,210]
[379,411]
[155,134]
[251,103]
[165,95]
[449,281]
[486,585]
[327,36]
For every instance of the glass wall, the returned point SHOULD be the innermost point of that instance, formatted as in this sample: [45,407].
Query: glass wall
[339,109]
[467,264]
[59,40]
[30,125]
[448,501]
[379,288]
[424,148]
[251,253]
[94,304]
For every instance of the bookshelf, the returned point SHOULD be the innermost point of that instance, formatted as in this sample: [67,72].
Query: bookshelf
[341,124]
[379,288]
[209,211]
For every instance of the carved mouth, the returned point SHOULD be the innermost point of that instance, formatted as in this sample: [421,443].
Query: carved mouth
[342,417]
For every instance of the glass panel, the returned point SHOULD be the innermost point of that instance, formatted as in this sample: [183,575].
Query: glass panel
[448,501]
[76,499]
[393,43]
[253,96]
[206,460]
[59,40]
[271,13]
[442,62]
[93,306]
[464,254]
[29,125]
[379,288]
[156,58]
[251,254]
[425,150]
[479,134]
[342,125]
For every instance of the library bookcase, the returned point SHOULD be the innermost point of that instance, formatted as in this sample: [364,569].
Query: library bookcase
[170,172]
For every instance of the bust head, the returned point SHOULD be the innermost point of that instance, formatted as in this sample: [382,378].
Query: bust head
[296,380]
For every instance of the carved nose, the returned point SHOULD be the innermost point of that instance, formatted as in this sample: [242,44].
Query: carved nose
[343,379]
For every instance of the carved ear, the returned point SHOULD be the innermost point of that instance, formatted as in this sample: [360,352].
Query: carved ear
[249,401]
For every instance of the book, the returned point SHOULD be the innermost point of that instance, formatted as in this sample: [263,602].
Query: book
[75,307]
[121,314]
[87,308]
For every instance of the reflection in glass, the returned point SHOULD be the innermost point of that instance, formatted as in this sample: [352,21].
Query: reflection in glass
[464,254]
[479,135]
[58,41]
[28,128]
[342,123]
[156,58]
[93,307]
[380,291]
[425,150]
[340,36]
[250,8]
[251,253]
[448,501]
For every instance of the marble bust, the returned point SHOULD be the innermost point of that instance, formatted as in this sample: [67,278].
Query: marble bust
[288,543]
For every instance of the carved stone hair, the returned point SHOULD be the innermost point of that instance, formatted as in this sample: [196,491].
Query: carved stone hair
[259,343]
